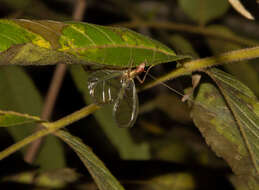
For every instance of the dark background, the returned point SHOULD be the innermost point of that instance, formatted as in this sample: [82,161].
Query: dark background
[174,135]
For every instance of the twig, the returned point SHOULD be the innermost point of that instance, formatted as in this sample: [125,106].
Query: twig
[79,10]
[50,127]
[190,29]
[200,64]
[53,90]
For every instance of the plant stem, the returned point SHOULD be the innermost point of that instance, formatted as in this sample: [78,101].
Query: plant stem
[199,64]
[190,29]
[50,127]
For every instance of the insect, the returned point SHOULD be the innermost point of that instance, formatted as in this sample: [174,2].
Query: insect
[117,88]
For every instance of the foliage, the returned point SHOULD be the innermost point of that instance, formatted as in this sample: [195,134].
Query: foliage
[223,107]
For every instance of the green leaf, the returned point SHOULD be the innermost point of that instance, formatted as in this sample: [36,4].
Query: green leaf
[217,122]
[204,11]
[120,138]
[10,118]
[30,42]
[102,176]
[241,101]
[18,93]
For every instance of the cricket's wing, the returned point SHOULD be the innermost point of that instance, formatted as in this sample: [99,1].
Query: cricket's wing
[104,86]
[126,106]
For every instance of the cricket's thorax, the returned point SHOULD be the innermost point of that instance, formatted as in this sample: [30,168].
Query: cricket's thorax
[131,74]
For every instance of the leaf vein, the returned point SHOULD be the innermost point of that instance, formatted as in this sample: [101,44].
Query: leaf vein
[7,37]
[246,116]
[124,46]
[84,34]
[107,36]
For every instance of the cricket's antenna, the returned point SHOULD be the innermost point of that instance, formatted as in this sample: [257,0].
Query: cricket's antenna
[173,90]
[167,86]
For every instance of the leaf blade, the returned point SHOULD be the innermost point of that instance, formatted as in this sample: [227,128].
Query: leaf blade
[237,5]
[215,119]
[49,42]
[241,101]
[102,176]
[10,118]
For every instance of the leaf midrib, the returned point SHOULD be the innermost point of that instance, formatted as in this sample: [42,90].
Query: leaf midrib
[123,46]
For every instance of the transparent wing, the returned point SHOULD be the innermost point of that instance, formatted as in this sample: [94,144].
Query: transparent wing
[126,106]
[104,86]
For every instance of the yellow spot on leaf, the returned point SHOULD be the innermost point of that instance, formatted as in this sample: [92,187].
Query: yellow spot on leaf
[39,41]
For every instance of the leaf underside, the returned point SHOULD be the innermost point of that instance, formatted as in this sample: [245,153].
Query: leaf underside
[44,42]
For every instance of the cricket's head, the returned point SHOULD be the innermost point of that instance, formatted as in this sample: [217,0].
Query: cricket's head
[140,68]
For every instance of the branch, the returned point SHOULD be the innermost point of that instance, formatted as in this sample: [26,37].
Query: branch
[190,29]
[50,127]
[199,64]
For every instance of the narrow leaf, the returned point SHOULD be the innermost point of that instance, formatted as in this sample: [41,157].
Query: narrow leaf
[31,42]
[10,118]
[241,9]
[102,176]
